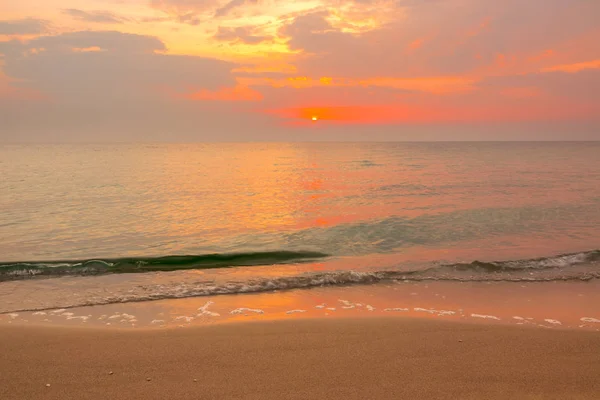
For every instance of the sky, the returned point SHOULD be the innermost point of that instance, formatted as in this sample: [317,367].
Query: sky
[256,70]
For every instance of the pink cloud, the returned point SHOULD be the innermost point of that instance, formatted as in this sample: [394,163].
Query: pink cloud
[575,67]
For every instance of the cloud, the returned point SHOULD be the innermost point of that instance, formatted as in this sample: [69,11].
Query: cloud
[101,17]
[63,44]
[573,68]
[230,6]
[123,84]
[244,34]
[407,114]
[462,36]
[194,11]
[29,26]
[352,61]
[433,84]
[571,88]
[124,65]
[185,5]
[218,7]
[185,11]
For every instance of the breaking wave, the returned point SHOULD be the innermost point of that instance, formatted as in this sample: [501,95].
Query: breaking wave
[24,270]
[568,267]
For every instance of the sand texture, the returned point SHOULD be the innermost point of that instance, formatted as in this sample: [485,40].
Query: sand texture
[395,358]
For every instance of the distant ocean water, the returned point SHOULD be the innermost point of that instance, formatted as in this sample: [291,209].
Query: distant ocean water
[134,222]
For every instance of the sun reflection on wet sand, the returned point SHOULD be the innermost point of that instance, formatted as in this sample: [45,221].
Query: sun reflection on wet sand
[554,305]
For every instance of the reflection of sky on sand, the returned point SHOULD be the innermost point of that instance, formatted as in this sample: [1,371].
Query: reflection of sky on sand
[554,305]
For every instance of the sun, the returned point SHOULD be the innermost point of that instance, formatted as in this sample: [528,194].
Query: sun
[315,118]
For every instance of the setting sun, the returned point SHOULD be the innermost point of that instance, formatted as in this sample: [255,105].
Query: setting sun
[314,118]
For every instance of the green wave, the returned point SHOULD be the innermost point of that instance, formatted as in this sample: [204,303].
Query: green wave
[27,269]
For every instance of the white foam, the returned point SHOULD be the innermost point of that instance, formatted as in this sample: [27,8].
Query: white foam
[419,309]
[242,310]
[347,304]
[102,317]
[13,315]
[519,318]
[320,306]
[485,316]
[204,310]
[184,318]
[370,308]
[158,321]
[60,310]
[331,309]
[295,311]
[83,318]
[68,314]
[205,306]
[128,316]
[39,313]
[115,316]
[553,321]
[442,313]
[396,309]
[592,320]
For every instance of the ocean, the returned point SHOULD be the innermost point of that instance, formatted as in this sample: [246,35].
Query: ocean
[84,225]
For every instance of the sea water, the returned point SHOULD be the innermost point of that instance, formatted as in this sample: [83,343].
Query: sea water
[113,223]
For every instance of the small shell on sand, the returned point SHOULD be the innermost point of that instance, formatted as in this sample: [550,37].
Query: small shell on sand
[47,385]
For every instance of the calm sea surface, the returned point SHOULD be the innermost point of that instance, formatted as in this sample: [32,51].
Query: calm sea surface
[292,215]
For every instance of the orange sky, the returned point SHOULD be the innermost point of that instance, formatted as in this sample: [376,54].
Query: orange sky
[248,69]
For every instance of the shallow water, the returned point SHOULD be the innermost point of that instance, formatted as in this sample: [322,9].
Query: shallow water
[559,305]
[415,210]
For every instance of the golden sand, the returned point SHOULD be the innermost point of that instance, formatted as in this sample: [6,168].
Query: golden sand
[375,358]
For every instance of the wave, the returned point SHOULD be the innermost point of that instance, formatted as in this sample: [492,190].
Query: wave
[24,270]
[567,267]
[560,261]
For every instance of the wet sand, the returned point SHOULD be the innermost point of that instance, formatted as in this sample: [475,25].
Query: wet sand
[368,358]
[556,305]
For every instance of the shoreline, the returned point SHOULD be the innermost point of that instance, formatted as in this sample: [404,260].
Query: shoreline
[571,305]
[342,358]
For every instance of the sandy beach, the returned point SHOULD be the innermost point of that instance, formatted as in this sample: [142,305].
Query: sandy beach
[375,358]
